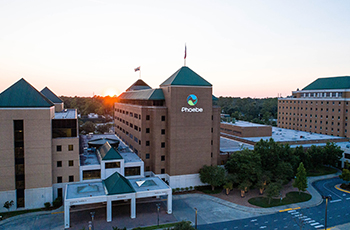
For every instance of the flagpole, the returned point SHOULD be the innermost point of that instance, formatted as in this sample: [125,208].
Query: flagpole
[185,55]
[140,74]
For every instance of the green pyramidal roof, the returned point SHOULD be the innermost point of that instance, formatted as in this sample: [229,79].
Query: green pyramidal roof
[330,83]
[107,152]
[50,95]
[23,94]
[186,76]
[117,184]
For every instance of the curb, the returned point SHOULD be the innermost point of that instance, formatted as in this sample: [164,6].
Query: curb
[41,213]
[340,189]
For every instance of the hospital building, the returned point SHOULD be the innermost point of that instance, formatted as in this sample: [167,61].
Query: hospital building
[174,129]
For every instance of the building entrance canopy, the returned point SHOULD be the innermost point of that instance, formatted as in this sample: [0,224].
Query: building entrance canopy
[116,187]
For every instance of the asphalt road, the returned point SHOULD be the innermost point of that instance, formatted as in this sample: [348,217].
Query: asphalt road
[308,218]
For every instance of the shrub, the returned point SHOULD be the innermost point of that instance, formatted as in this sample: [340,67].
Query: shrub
[47,205]
[186,189]
[191,187]
[57,202]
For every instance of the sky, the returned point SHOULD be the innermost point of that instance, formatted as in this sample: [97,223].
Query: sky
[249,48]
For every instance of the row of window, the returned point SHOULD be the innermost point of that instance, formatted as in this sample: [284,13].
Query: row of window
[131,114]
[311,102]
[162,158]
[59,148]
[70,163]
[301,108]
[334,94]
[70,179]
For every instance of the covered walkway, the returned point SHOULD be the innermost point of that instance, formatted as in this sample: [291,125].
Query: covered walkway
[114,188]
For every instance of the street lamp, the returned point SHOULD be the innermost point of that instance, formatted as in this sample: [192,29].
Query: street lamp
[325,219]
[158,206]
[195,220]
[92,220]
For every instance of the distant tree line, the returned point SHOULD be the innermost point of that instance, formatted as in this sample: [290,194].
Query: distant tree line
[85,105]
[256,110]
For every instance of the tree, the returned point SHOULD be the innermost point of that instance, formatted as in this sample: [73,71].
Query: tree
[88,127]
[273,190]
[103,128]
[228,187]
[245,164]
[300,181]
[213,175]
[345,175]
[8,205]
[333,154]
[244,187]
[284,171]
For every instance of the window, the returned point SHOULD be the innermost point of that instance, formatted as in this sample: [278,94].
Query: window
[59,179]
[70,147]
[162,171]
[163,118]
[147,117]
[59,164]
[132,171]
[71,178]
[163,131]
[147,155]
[162,158]
[111,165]
[147,143]
[92,174]
[148,168]
[147,130]
[70,163]
[59,148]
[163,144]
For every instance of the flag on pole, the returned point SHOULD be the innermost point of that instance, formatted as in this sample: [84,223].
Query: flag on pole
[138,69]
[185,52]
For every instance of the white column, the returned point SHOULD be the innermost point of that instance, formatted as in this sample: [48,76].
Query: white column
[133,206]
[109,209]
[170,202]
[66,214]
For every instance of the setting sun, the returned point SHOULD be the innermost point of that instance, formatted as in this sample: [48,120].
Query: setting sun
[110,92]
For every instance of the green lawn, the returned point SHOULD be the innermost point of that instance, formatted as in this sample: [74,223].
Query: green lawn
[15,213]
[321,171]
[291,198]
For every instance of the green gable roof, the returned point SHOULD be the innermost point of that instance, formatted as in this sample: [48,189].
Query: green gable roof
[146,94]
[139,85]
[50,95]
[23,94]
[108,153]
[186,76]
[117,184]
[330,83]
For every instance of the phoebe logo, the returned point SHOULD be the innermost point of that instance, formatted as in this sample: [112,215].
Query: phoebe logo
[192,100]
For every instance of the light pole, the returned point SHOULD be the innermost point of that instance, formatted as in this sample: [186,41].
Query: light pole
[158,206]
[92,220]
[325,219]
[195,219]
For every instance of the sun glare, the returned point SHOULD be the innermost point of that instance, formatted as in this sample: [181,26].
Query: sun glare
[110,92]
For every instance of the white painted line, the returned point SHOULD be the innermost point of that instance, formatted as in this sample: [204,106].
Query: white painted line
[275,220]
[313,224]
[333,201]
[295,213]
[245,226]
[262,226]
[307,219]
[294,210]
[303,217]
[266,222]
[254,220]
[319,226]
[348,198]
[311,221]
